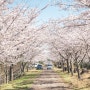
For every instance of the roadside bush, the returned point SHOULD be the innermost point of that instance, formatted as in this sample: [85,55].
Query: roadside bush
[85,65]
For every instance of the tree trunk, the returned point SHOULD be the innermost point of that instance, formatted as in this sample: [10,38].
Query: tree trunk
[11,73]
[7,76]
[78,70]
[27,67]
[23,68]
[62,65]
[71,69]
[68,69]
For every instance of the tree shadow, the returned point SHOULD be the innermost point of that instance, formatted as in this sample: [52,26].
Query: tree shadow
[20,88]
[59,87]
[27,80]
[87,87]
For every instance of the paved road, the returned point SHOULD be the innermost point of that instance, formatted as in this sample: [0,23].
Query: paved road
[49,80]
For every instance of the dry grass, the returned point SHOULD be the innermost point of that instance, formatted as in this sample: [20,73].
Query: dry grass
[83,84]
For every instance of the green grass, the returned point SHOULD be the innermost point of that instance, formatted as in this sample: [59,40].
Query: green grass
[23,83]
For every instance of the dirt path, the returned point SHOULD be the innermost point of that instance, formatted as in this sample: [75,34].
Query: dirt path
[49,80]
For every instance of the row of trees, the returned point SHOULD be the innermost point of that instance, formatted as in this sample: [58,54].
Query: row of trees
[20,39]
[70,40]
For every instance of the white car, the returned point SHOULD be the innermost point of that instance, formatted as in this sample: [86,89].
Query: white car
[49,66]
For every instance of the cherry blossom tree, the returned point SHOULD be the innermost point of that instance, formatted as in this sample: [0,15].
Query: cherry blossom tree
[69,39]
[19,38]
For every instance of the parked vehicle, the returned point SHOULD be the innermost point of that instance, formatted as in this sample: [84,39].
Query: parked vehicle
[49,66]
[39,66]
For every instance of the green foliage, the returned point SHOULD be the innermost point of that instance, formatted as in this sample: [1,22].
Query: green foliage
[41,62]
[85,65]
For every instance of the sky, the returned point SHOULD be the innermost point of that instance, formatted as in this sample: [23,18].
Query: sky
[51,12]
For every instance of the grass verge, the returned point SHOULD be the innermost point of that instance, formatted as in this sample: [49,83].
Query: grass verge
[83,84]
[23,83]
